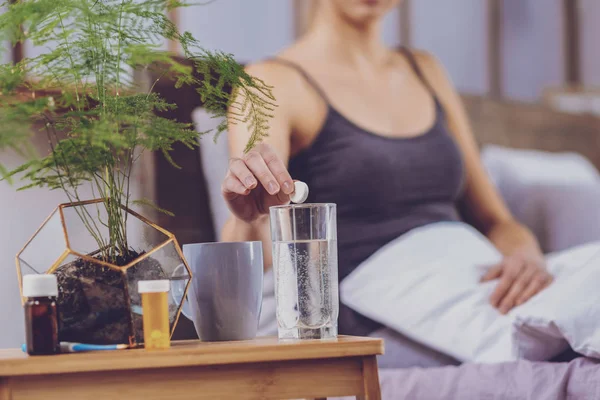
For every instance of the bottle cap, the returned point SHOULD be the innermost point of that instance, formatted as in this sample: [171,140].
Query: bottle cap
[159,286]
[44,285]
[300,193]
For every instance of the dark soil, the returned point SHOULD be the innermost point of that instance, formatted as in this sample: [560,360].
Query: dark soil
[99,305]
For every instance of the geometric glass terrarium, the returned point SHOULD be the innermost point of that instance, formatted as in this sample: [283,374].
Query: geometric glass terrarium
[98,301]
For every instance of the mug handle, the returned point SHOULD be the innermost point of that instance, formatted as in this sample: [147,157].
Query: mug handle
[178,291]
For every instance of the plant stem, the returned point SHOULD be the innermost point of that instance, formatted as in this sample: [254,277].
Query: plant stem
[69,53]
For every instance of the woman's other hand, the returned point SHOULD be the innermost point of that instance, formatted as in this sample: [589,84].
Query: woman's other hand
[256,182]
[521,276]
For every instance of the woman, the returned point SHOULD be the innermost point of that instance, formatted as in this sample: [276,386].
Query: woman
[383,134]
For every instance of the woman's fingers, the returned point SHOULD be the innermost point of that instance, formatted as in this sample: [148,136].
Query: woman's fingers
[517,288]
[255,182]
[233,188]
[239,169]
[282,198]
[257,165]
[510,272]
[536,285]
[277,168]
[520,279]
[492,273]
[279,199]
[263,165]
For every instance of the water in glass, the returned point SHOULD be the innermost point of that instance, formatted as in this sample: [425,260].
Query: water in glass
[306,288]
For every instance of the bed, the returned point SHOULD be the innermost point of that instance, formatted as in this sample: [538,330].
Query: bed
[185,192]
[522,380]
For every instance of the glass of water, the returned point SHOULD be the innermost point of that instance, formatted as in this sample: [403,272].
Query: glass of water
[305,266]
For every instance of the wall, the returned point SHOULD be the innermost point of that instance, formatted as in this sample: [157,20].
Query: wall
[459,41]
[21,214]
[532,46]
[11,215]
[258,28]
[532,43]
[251,30]
[589,13]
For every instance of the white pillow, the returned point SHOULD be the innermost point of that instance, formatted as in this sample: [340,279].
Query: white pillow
[553,194]
[535,167]
[215,162]
[425,285]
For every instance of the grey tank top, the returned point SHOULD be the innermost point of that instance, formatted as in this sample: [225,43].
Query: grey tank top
[383,186]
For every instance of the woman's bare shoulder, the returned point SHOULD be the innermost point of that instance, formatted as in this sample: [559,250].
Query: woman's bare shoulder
[427,62]
[279,70]
[281,74]
[435,73]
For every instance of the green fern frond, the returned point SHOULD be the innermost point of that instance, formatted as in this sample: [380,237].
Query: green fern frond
[93,116]
[151,204]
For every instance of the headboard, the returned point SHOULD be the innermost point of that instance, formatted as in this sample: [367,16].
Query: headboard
[533,126]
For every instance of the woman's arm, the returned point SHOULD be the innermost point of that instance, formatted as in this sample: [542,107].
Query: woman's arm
[522,273]
[259,179]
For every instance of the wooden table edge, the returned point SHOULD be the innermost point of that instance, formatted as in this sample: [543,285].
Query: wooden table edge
[193,355]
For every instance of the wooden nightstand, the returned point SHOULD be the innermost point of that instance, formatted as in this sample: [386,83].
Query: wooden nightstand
[263,368]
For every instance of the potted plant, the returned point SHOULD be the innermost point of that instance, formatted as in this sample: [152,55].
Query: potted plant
[80,94]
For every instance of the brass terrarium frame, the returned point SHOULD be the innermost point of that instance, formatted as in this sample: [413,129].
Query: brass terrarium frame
[89,257]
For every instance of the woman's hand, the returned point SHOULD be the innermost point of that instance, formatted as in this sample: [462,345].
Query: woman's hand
[522,275]
[256,182]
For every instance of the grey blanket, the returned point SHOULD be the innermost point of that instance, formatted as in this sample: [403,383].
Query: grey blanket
[522,380]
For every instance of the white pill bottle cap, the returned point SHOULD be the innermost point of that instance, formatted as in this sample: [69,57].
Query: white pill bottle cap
[159,286]
[40,285]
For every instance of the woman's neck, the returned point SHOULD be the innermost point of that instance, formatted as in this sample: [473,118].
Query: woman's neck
[351,42]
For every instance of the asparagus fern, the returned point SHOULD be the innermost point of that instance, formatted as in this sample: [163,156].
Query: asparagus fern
[96,121]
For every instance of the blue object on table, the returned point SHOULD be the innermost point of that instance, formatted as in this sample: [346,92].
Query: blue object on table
[69,347]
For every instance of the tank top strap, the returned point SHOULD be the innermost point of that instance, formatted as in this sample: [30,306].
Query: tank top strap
[309,79]
[412,60]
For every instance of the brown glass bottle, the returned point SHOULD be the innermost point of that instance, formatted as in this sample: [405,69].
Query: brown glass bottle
[42,327]
[41,314]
